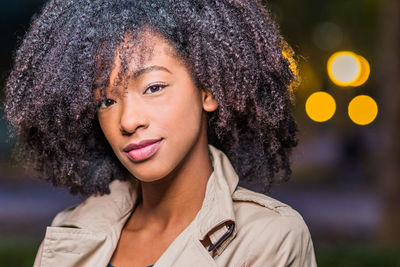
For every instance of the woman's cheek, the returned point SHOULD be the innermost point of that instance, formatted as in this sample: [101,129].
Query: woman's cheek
[109,125]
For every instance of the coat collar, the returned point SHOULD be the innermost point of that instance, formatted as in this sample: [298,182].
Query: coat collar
[217,205]
[107,214]
[99,212]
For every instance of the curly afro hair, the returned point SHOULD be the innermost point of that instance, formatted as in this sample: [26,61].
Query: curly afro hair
[233,48]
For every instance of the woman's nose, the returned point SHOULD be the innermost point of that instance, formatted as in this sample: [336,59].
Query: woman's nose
[133,117]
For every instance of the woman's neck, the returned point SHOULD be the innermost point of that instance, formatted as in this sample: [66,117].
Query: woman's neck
[177,198]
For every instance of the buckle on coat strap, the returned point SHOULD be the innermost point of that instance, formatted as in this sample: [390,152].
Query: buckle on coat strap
[223,238]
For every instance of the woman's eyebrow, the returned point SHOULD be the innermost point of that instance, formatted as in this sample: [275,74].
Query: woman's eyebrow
[137,73]
[149,69]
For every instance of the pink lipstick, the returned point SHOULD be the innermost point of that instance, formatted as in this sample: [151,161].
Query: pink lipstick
[143,150]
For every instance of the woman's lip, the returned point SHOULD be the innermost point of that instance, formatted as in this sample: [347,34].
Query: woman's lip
[145,152]
[141,144]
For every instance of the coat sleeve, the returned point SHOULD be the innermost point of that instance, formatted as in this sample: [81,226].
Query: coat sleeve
[286,241]
[56,221]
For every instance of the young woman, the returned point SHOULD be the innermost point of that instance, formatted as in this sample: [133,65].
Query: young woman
[156,110]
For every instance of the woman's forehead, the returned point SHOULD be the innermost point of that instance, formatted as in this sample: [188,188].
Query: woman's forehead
[131,55]
[138,54]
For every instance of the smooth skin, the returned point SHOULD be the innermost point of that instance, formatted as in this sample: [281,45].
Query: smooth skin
[159,102]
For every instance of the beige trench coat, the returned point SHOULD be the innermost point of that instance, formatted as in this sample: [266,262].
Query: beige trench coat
[246,228]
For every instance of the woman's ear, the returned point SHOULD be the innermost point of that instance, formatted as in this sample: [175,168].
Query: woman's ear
[209,102]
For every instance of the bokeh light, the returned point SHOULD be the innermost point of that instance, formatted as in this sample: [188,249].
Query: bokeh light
[346,68]
[320,106]
[362,110]
[365,71]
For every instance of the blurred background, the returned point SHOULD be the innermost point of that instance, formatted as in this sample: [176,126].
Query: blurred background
[346,168]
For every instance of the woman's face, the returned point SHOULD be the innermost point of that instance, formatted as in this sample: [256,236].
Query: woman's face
[160,105]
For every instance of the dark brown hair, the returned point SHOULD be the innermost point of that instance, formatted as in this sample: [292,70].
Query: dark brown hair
[232,47]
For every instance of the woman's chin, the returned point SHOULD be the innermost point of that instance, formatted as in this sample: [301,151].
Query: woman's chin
[149,175]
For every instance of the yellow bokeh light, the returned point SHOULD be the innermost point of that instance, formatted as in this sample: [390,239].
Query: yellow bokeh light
[346,68]
[320,106]
[365,71]
[362,110]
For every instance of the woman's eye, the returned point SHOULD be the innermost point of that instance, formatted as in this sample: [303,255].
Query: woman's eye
[154,88]
[107,102]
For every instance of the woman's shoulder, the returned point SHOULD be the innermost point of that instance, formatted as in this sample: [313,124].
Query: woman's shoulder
[262,203]
[98,211]
[272,230]
[63,215]
[259,211]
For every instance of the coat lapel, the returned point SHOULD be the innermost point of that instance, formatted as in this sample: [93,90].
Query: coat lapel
[73,247]
[210,221]
[187,253]
[88,234]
